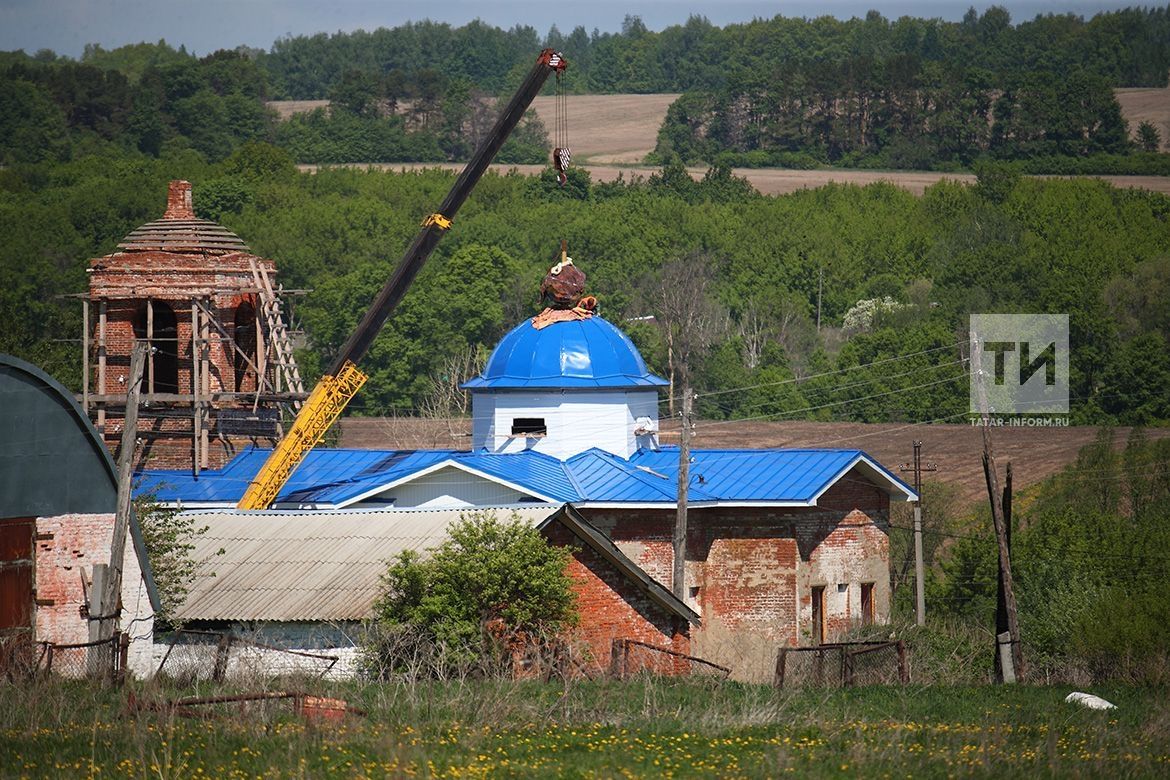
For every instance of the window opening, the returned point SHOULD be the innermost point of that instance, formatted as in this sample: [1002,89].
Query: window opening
[244,356]
[530,427]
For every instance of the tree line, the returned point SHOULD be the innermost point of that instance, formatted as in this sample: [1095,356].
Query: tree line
[909,93]
[156,100]
[1127,47]
[840,303]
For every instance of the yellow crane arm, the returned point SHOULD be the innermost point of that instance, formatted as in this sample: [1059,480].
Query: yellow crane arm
[323,406]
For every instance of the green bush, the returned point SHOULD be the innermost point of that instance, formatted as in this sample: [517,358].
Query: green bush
[488,571]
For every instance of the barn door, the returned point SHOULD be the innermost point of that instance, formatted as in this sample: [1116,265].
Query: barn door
[17,547]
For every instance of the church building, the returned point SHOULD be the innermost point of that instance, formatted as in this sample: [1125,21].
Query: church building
[784,547]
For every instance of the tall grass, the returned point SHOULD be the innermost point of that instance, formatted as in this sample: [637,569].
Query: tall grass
[644,726]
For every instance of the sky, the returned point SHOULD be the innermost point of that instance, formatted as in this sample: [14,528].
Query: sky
[203,26]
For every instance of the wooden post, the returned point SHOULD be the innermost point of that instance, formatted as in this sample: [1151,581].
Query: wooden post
[221,658]
[101,356]
[113,586]
[261,354]
[678,580]
[93,654]
[123,656]
[619,655]
[781,666]
[996,498]
[150,345]
[919,567]
[903,669]
[85,356]
[205,377]
[1001,621]
[196,407]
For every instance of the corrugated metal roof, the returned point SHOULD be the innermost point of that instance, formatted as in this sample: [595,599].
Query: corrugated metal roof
[335,477]
[183,235]
[756,475]
[589,353]
[300,566]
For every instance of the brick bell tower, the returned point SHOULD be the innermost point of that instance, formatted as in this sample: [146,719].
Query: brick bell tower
[220,370]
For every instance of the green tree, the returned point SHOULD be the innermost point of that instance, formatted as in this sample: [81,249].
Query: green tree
[503,571]
[1148,137]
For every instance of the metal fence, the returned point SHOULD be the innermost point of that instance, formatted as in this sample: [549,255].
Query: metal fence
[843,664]
[631,656]
[212,655]
[103,659]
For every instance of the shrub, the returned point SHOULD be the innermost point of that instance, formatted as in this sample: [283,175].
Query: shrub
[489,573]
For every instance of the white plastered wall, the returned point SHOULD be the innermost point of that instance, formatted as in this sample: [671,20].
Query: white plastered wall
[576,420]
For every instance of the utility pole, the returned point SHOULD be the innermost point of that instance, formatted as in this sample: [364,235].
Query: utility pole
[112,585]
[1001,621]
[919,565]
[684,478]
[995,497]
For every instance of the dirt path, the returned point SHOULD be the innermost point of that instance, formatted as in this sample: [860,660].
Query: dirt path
[771,181]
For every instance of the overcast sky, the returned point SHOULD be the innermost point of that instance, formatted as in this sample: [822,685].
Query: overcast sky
[206,25]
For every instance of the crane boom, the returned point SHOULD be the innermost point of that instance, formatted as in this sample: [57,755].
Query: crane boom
[335,389]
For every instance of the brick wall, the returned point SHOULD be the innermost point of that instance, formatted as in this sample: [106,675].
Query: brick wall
[611,607]
[125,281]
[754,568]
[68,545]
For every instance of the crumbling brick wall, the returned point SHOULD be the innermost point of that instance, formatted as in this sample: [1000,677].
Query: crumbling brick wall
[611,607]
[750,570]
[66,547]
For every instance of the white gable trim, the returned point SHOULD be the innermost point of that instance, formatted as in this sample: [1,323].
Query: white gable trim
[437,467]
[874,471]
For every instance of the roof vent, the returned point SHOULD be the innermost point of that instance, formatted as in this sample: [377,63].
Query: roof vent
[179,203]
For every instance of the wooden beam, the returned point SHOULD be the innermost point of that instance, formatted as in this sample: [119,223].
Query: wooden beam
[196,412]
[112,587]
[85,355]
[101,415]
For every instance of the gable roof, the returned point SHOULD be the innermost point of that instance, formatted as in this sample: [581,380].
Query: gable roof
[285,566]
[341,478]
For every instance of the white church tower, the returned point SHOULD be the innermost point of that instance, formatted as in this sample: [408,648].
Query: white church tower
[564,388]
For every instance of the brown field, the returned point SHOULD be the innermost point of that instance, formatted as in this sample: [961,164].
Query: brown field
[770,181]
[1035,453]
[619,129]
[611,134]
[1144,104]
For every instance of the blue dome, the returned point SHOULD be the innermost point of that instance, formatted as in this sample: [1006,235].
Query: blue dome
[581,354]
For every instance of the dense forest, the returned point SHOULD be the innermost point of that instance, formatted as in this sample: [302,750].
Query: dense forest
[765,300]
[908,93]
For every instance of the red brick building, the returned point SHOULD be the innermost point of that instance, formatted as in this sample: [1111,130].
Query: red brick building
[784,547]
[220,367]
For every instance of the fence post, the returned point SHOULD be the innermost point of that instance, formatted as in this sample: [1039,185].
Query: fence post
[819,667]
[846,668]
[781,662]
[903,670]
[48,659]
[615,658]
[221,658]
[123,655]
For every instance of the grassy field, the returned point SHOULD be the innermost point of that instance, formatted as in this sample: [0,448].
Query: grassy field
[639,728]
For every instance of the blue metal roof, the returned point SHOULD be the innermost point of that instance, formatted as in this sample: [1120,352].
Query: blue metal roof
[331,477]
[589,353]
[796,476]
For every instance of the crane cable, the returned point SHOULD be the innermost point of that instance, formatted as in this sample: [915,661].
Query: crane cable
[561,154]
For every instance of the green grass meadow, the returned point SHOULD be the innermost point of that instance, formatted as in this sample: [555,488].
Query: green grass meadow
[637,728]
